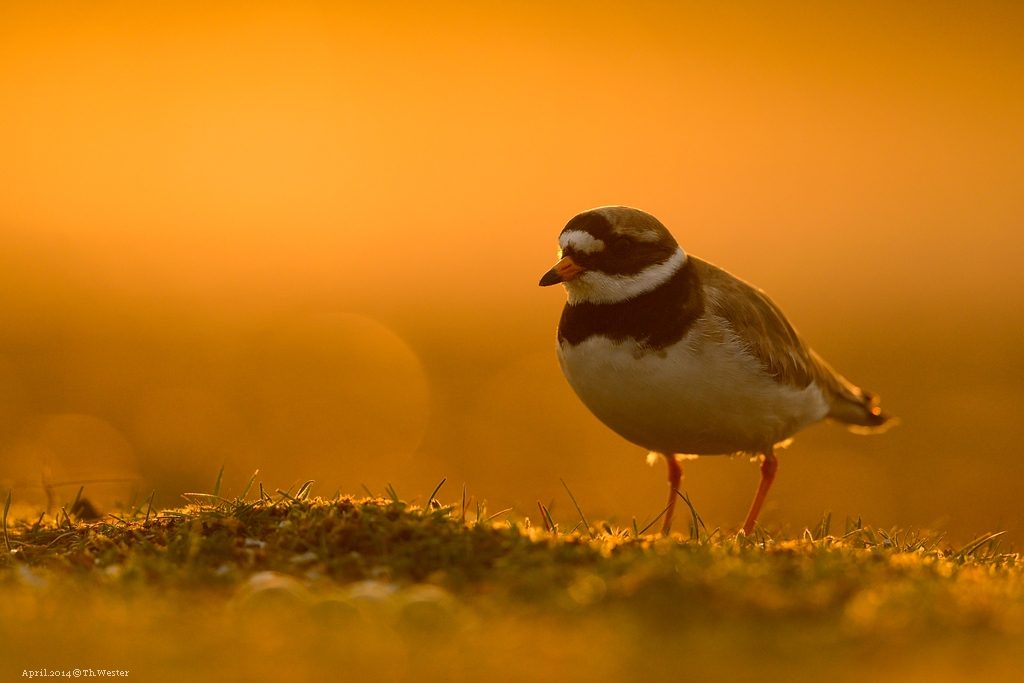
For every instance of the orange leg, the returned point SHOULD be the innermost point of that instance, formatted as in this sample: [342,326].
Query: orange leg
[768,467]
[675,475]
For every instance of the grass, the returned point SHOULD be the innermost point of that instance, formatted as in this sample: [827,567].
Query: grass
[376,589]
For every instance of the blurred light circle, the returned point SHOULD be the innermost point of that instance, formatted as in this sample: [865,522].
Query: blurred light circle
[339,398]
[64,452]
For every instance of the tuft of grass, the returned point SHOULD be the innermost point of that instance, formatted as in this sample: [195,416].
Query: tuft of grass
[467,585]
[212,537]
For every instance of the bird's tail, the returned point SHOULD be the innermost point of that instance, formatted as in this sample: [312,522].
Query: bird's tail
[861,414]
[851,405]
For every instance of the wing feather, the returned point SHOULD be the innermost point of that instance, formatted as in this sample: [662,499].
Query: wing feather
[768,336]
[760,325]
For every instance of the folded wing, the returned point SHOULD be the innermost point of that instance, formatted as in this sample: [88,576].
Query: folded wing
[769,338]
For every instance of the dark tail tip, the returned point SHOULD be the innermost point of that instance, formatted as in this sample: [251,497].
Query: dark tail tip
[863,416]
[875,420]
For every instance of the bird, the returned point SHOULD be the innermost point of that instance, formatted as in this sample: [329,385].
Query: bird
[682,358]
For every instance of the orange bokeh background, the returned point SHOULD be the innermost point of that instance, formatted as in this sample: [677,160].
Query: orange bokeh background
[305,238]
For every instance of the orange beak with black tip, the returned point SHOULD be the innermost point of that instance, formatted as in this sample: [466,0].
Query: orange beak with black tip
[563,271]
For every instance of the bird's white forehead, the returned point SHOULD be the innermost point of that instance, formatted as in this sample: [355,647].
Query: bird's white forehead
[581,241]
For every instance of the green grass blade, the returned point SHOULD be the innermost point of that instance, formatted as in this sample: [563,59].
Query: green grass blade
[7,507]
[248,486]
[138,510]
[39,522]
[304,490]
[216,485]
[968,549]
[653,521]
[693,513]
[544,516]
[78,497]
[498,513]
[578,509]
[188,496]
[434,493]
[551,520]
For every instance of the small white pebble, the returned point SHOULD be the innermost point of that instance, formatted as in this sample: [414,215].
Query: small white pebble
[304,558]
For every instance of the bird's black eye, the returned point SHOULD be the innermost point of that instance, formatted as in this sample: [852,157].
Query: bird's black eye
[622,246]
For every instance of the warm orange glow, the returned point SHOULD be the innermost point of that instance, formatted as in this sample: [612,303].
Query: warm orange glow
[238,233]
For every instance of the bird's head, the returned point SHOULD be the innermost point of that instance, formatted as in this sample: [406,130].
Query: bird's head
[613,253]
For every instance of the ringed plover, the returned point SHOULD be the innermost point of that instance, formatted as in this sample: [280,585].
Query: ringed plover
[683,359]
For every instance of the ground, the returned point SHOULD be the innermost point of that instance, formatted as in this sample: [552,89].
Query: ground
[299,588]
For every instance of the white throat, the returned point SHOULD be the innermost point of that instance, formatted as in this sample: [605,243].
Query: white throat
[596,287]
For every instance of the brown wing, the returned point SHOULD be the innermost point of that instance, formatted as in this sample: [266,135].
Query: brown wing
[759,324]
[769,337]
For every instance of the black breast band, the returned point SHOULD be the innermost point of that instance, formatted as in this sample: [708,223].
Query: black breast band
[655,319]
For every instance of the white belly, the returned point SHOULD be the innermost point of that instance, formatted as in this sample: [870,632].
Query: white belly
[697,397]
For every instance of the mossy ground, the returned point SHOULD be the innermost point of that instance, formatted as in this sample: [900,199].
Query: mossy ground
[300,588]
